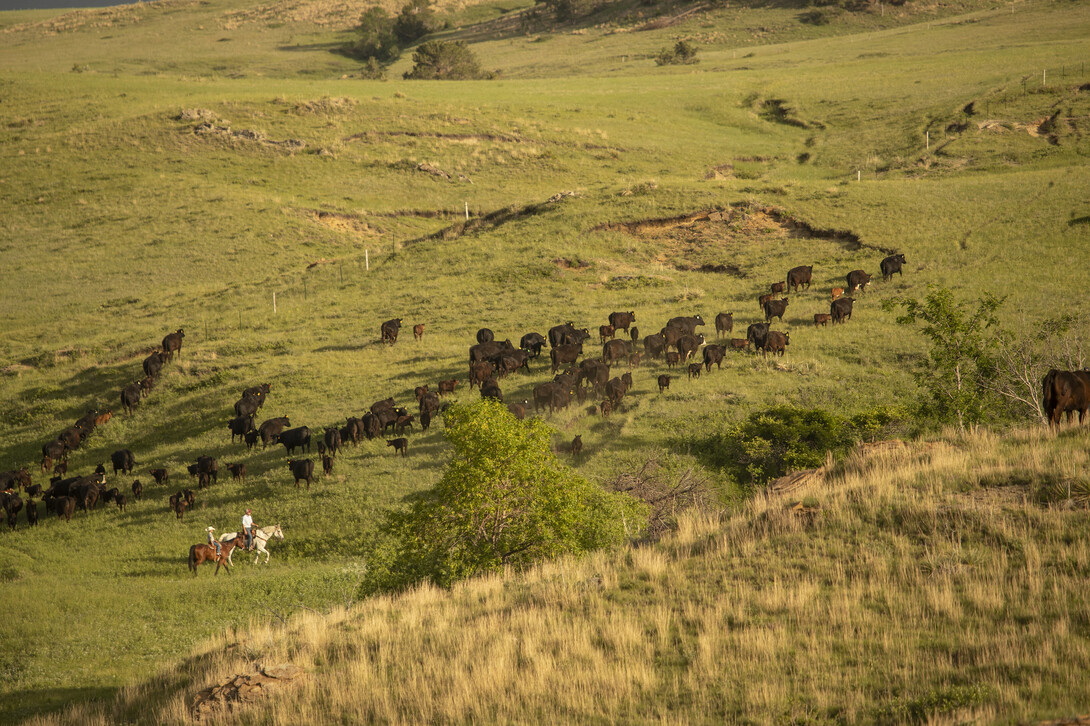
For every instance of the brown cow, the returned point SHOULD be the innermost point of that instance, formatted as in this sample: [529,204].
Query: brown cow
[694,370]
[739,343]
[238,471]
[447,386]
[577,446]
[837,292]
[1066,392]
[822,319]
[401,445]
[606,332]
[664,382]
[418,331]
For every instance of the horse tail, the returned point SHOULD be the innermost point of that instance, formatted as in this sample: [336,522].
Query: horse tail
[193,558]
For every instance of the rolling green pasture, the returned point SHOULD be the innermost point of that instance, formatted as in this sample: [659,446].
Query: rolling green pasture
[122,219]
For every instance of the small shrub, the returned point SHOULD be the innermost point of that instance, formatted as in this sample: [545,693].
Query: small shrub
[683,53]
[813,17]
[444,61]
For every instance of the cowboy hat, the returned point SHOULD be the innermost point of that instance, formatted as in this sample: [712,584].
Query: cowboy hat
[211,529]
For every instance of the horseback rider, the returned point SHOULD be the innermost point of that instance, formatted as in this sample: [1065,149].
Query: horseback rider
[213,541]
[248,528]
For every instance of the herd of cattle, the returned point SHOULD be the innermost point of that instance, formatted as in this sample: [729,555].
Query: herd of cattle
[490,361]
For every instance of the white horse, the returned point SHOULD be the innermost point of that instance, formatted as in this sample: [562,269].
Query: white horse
[261,537]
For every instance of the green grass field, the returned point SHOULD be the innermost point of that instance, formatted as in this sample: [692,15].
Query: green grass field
[124,218]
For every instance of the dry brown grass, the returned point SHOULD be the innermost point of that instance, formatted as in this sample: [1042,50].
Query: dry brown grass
[908,597]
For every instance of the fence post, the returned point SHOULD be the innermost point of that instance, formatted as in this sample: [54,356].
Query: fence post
[274,302]
[927,134]
[367,260]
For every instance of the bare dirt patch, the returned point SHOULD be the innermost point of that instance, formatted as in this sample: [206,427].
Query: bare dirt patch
[353,224]
[243,689]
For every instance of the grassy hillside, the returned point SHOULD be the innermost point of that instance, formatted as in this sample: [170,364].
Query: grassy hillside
[164,177]
[920,584]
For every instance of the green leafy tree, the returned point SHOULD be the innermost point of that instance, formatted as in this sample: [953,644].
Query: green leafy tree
[377,39]
[955,376]
[444,61]
[413,22]
[504,500]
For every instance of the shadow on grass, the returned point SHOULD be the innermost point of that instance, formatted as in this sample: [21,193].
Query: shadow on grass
[23,704]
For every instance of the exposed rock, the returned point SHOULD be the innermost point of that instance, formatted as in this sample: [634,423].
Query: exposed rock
[195,114]
[246,688]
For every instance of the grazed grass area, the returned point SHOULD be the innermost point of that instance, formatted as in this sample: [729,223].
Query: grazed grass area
[121,220]
[915,584]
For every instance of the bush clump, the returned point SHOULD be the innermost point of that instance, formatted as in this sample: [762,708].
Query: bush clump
[504,500]
[413,22]
[377,40]
[438,60]
[771,443]
[683,53]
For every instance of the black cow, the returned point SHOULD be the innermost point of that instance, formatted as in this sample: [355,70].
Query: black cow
[172,344]
[209,466]
[489,350]
[301,470]
[353,430]
[259,391]
[892,265]
[270,429]
[532,343]
[564,354]
[614,350]
[775,309]
[248,405]
[776,342]
[594,372]
[31,512]
[484,335]
[161,476]
[654,345]
[72,437]
[153,364]
[64,507]
[137,490]
[858,280]
[687,345]
[664,382]
[430,403]
[401,445]
[327,465]
[491,389]
[518,410]
[634,333]
[123,461]
[425,420]
[240,426]
[672,334]
[616,389]
[332,441]
[841,309]
[295,438]
[757,334]
[798,276]
[694,370]
[714,354]
[389,331]
[15,479]
[53,451]
[130,397]
[672,358]
[724,323]
[577,446]
[621,321]
[688,323]
[1065,392]
[552,394]
[567,334]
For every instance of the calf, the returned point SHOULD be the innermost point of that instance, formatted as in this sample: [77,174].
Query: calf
[634,360]
[606,407]
[479,372]
[739,343]
[447,386]
[160,475]
[120,500]
[836,292]
[779,287]
[203,480]
[404,422]
[34,490]
[31,512]
[664,382]
[179,508]
[64,507]
[822,319]
[577,446]
[491,389]
[401,445]
[238,472]
[103,418]
[420,392]
[672,358]
[634,334]
[518,410]
[327,465]
[606,332]
[694,370]
[301,470]
[418,331]
[137,490]
[60,469]
[130,397]
[251,439]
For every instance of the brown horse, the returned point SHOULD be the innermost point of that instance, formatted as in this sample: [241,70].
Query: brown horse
[199,553]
